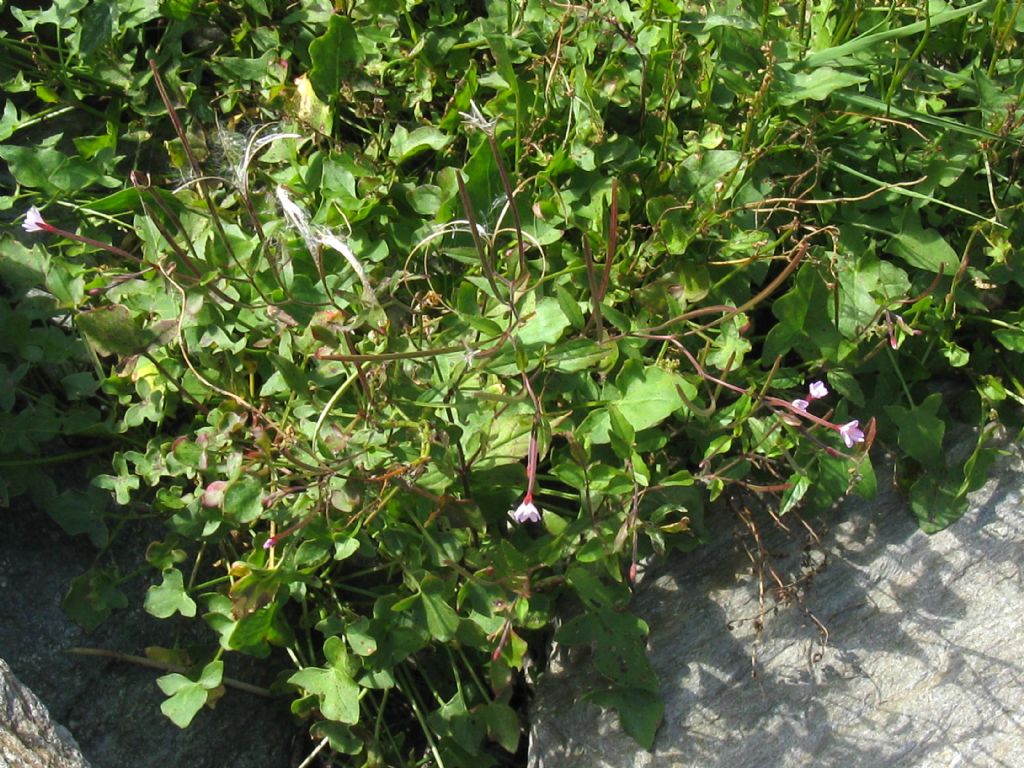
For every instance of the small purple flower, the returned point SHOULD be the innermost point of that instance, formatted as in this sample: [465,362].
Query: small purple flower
[269,543]
[34,221]
[800,404]
[526,512]
[818,390]
[851,434]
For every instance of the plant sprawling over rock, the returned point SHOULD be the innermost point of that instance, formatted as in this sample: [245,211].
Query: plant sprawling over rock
[415,321]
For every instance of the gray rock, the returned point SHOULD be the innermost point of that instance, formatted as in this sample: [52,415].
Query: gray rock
[888,648]
[29,738]
[111,707]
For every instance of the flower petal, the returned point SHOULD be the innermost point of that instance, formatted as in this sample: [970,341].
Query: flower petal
[817,390]
[34,221]
[851,434]
[526,512]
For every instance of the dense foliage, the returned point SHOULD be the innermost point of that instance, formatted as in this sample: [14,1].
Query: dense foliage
[414,322]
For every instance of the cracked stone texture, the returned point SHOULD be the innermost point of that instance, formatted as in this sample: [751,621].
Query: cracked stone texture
[922,665]
[28,736]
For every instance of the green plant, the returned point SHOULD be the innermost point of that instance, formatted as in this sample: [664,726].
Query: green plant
[455,316]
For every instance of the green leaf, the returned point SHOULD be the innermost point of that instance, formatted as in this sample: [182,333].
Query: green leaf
[345,548]
[405,144]
[97,26]
[816,85]
[621,433]
[243,500]
[122,484]
[937,502]
[453,718]
[78,512]
[188,696]
[846,385]
[921,431]
[359,637]
[336,653]
[170,597]
[640,711]
[179,10]
[335,689]
[923,248]
[804,320]
[442,620]
[650,395]
[502,725]
[1011,338]
[575,355]
[93,596]
[185,700]
[546,324]
[570,308]
[866,42]
[315,113]
[792,496]
[867,483]
[594,593]
[211,675]
[255,632]
[114,330]
[9,122]
[503,60]
[340,737]
[731,346]
[705,169]
[335,54]
[620,645]
[52,171]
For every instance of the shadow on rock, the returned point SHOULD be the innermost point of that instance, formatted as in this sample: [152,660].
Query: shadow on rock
[872,644]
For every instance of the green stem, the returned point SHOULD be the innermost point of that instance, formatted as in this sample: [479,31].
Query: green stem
[409,689]
[330,405]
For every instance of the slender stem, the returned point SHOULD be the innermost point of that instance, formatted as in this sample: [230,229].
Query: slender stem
[474,231]
[595,291]
[89,241]
[198,171]
[510,195]
[330,405]
[142,661]
[613,229]
[382,356]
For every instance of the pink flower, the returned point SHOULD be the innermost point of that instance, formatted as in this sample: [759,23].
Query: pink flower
[851,434]
[816,391]
[34,221]
[526,512]
[213,495]
[269,543]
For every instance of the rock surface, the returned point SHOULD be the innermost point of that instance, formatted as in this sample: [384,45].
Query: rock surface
[916,660]
[28,736]
[111,707]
